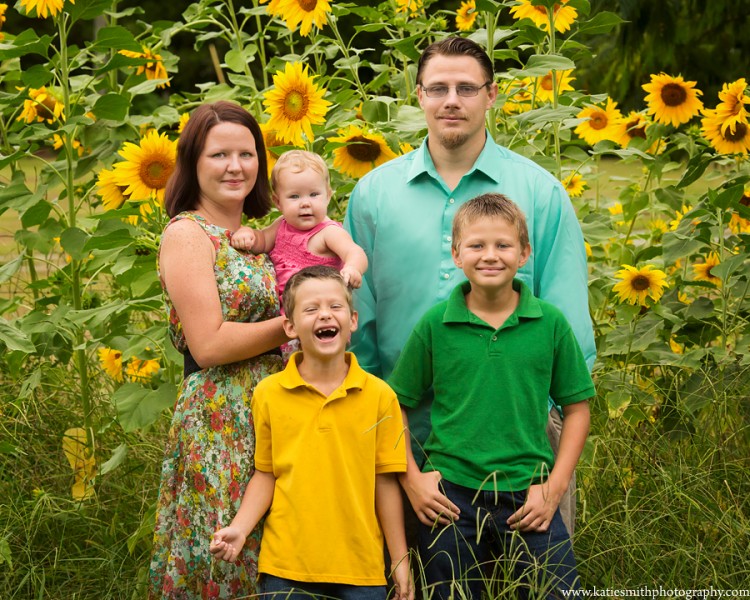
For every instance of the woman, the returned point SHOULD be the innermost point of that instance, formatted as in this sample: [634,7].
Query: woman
[224,317]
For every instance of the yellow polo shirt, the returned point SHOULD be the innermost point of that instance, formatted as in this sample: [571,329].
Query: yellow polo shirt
[325,453]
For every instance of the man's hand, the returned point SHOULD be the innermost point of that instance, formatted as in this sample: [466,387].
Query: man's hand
[429,503]
[227,543]
[537,512]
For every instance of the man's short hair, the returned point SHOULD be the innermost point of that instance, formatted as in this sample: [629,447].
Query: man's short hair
[320,272]
[299,160]
[490,206]
[456,46]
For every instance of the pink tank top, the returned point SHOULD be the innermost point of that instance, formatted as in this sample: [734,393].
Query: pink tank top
[290,253]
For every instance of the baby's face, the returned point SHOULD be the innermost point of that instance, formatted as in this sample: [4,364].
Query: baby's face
[302,197]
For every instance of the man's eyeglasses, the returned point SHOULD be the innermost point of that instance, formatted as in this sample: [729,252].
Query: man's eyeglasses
[464,90]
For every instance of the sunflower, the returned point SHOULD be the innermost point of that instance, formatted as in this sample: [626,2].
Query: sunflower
[674,346]
[639,284]
[302,13]
[111,193]
[147,166]
[111,362]
[635,126]
[154,69]
[360,151]
[466,15]
[672,99]
[563,16]
[41,106]
[589,252]
[141,370]
[574,185]
[43,8]
[679,214]
[3,8]
[703,269]
[738,224]
[295,104]
[408,7]
[658,226]
[272,141]
[184,118]
[602,123]
[544,91]
[75,446]
[518,96]
[57,143]
[729,140]
[405,147]
[731,110]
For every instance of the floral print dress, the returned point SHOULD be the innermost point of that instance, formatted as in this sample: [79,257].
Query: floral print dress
[209,451]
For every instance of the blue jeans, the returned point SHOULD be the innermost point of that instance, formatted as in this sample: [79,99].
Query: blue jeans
[480,553]
[277,588]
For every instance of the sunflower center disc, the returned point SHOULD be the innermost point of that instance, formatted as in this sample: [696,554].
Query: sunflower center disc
[740,130]
[295,105]
[308,5]
[640,283]
[598,120]
[673,94]
[547,83]
[154,173]
[362,149]
[634,131]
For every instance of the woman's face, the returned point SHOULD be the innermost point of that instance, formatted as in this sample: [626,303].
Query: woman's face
[228,165]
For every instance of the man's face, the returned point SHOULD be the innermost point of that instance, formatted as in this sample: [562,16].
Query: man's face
[454,120]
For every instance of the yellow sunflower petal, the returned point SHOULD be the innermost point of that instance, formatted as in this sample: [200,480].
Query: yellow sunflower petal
[602,123]
[466,15]
[639,284]
[301,13]
[672,100]
[147,166]
[702,270]
[43,8]
[563,16]
[726,140]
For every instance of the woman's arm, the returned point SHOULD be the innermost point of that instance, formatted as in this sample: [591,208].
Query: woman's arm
[187,267]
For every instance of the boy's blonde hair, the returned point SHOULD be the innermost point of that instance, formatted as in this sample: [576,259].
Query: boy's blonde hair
[299,160]
[289,297]
[489,206]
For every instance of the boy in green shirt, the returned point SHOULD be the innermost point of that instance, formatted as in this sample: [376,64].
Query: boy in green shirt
[493,355]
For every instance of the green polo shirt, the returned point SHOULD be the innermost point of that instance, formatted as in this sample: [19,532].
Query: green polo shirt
[491,388]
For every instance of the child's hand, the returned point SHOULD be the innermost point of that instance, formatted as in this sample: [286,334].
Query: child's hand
[243,239]
[537,512]
[352,277]
[402,580]
[428,502]
[227,543]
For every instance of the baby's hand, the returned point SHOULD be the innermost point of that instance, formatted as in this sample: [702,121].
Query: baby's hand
[227,543]
[243,239]
[352,277]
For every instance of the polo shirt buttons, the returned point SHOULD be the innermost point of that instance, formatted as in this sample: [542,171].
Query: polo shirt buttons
[451,201]
[448,238]
[446,275]
[494,338]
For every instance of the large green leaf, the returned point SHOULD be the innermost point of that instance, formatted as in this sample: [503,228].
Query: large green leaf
[138,407]
[14,338]
[113,107]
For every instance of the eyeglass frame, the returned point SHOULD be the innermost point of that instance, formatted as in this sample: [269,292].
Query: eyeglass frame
[476,89]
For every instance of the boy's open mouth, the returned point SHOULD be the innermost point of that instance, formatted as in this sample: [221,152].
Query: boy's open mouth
[326,333]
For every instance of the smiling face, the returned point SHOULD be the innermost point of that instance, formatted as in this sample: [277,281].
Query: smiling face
[321,318]
[302,197]
[490,253]
[228,166]
[455,121]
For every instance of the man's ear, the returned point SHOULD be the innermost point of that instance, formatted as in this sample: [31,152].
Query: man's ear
[288,326]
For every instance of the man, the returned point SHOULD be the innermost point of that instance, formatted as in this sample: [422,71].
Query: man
[402,212]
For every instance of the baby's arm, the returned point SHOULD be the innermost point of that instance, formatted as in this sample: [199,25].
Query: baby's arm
[354,258]
[257,241]
[227,543]
[544,498]
[391,516]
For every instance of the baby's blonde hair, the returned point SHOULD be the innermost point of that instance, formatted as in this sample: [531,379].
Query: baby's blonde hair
[299,160]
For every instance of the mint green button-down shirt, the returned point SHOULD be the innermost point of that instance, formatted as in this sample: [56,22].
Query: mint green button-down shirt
[401,214]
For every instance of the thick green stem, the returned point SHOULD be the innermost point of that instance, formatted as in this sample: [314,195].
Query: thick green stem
[345,51]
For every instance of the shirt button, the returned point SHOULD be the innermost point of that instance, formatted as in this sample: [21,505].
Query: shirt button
[451,201]
[494,338]
[446,275]
[448,238]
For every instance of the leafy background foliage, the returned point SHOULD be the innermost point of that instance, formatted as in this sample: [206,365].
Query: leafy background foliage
[664,479]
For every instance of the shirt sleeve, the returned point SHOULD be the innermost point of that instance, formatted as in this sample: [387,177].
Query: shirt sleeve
[571,381]
[391,449]
[261,420]
[361,227]
[413,375]
[561,276]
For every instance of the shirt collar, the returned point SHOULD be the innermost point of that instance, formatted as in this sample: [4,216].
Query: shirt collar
[486,161]
[456,310]
[290,378]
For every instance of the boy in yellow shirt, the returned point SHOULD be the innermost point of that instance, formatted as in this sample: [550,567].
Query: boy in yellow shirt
[329,442]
